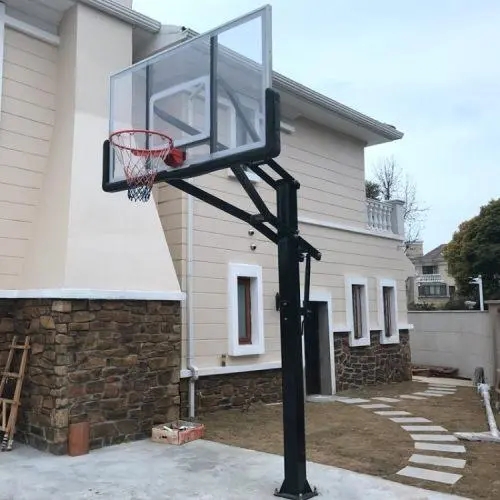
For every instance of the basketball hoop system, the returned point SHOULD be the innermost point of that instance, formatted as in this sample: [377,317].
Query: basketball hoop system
[141,164]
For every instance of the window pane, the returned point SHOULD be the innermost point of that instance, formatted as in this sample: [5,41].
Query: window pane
[244,311]
[388,306]
[357,311]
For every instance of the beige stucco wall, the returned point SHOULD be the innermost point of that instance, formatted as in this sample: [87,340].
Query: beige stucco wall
[330,168]
[79,237]
[459,339]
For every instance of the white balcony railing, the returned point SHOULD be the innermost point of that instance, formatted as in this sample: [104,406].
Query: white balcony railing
[429,278]
[379,215]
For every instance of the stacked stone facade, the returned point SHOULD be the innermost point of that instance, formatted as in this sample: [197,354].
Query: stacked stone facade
[354,367]
[235,390]
[374,364]
[113,363]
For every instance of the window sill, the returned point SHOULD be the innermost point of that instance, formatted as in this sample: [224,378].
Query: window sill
[361,342]
[393,339]
[246,350]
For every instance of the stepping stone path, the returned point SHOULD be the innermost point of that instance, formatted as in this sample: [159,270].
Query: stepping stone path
[432,438]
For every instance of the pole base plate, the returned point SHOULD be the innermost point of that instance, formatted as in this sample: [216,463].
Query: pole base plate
[308,493]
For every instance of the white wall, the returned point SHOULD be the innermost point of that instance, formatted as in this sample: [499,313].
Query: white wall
[459,339]
[66,234]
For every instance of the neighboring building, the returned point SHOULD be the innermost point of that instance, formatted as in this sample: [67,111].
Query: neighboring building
[99,283]
[432,283]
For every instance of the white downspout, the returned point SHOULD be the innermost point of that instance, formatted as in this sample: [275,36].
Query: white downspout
[189,308]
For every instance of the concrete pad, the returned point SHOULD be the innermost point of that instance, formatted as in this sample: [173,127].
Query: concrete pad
[388,400]
[434,395]
[441,389]
[320,398]
[375,406]
[351,401]
[200,470]
[430,475]
[457,463]
[410,420]
[447,448]
[393,413]
[424,428]
[443,381]
[409,396]
[433,437]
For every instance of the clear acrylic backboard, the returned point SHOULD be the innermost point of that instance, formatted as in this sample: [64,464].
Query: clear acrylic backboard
[211,94]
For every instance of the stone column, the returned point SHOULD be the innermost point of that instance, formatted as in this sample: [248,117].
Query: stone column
[397,217]
[494,313]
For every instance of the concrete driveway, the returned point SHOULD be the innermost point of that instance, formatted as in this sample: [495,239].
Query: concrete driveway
[200,470]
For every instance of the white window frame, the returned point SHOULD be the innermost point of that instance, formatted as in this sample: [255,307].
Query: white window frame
[394,337]
[364,340]
[2,43]
[186,88]
[257,304]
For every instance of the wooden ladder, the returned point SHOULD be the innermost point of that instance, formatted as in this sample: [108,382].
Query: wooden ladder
[9,406]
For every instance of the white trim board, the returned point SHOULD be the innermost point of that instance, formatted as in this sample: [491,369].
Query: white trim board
[32,31]
[77,293]
[226,370]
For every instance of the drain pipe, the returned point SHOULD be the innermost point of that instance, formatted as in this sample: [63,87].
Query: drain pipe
[189,308]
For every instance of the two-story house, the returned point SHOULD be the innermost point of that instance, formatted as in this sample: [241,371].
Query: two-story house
[137,310]
[432,283]
[231,348]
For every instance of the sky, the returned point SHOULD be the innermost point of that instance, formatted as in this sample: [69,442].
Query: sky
[431,68]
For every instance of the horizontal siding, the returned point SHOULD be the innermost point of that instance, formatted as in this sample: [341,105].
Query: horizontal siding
[26,125]
[330,169]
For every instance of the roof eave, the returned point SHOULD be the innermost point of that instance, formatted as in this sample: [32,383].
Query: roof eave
[384,130]
[126,14]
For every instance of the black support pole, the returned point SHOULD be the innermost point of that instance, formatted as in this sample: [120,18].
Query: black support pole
[295,485]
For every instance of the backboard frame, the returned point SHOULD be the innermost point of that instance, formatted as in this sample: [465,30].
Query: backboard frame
[268,145]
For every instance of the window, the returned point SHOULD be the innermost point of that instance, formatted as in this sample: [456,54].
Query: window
[437,290]
[388,311]
[451,291]
[388,299]
[357,310]
[245,310]
[429,270]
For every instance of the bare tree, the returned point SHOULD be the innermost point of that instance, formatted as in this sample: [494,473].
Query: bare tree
[395,185]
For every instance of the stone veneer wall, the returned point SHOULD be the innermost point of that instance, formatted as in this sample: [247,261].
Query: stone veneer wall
[234,390]
[354,367]
[114,363]
[373,364]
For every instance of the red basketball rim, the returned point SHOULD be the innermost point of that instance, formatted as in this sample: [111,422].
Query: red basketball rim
[154,151]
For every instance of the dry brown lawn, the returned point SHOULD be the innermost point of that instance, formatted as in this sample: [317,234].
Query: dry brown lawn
[357,439]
